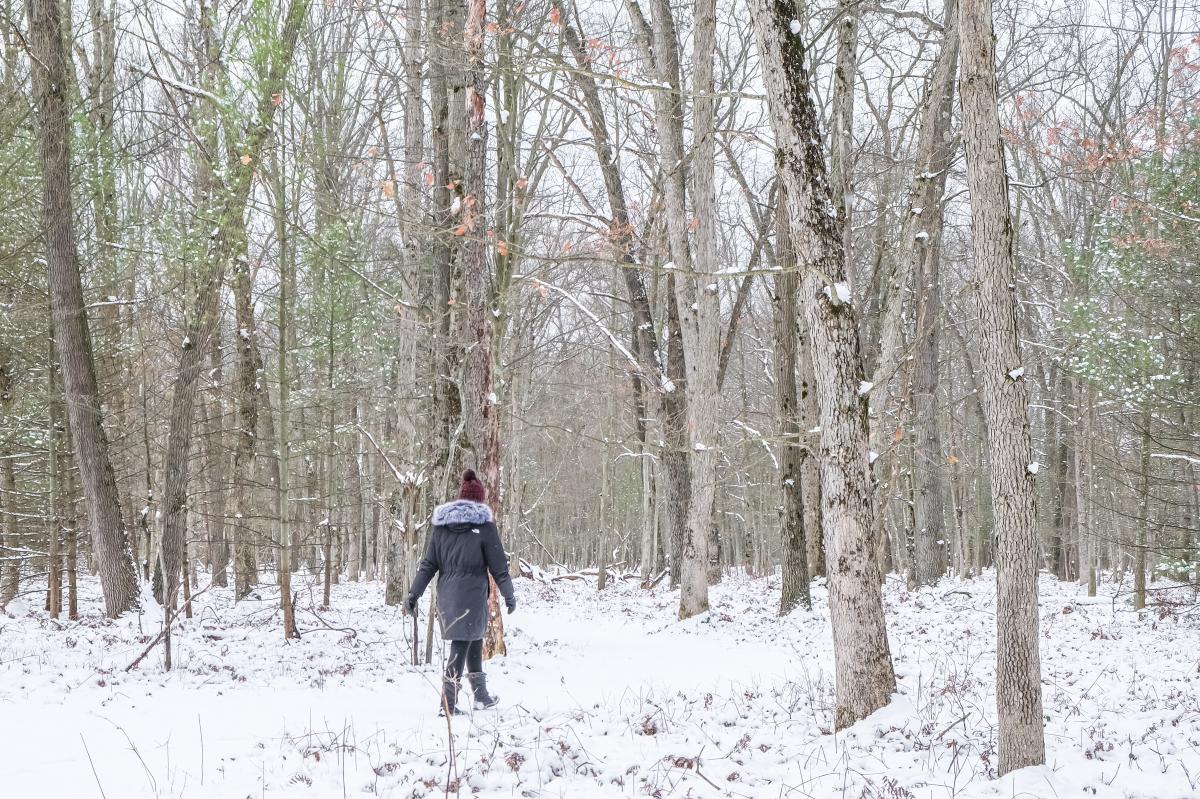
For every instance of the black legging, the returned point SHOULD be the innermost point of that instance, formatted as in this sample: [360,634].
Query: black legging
[469,653]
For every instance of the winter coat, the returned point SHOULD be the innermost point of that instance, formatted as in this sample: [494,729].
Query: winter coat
[463,547]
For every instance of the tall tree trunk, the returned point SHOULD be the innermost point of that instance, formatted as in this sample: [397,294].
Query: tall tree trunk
[1142,541]
[446,139]
[481,414]
[696,300]
[287,283]
[249,364]
[677,494]
[50,73]
[217,474]
[70,508]
[57,499]
[864,677]
[1063,465]
[10,566]
[10,574]
[354,462]
[704,372]
[922,246]
[841,122]
[1083,476]
[795,550]
[1018,666]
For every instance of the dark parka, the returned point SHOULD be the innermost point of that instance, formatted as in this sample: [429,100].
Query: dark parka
[463,547]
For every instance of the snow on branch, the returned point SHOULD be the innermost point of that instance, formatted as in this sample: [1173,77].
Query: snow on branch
[1170,457]
[663,384]
[404,478]
[761,440]
[152,72]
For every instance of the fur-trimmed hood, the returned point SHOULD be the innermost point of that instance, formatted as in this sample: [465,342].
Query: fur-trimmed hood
[461,511]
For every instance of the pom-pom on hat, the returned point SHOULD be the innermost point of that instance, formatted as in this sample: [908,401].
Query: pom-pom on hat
[471,488]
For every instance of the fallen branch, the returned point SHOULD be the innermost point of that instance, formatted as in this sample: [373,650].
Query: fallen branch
[166,627]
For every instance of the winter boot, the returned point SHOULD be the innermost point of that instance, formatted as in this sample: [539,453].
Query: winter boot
[449,697]
[483,699]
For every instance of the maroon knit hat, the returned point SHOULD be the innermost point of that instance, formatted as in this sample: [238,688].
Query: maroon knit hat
[471,488]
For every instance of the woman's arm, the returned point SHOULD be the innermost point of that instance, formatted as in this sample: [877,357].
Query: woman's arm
[428,567]
[497,563]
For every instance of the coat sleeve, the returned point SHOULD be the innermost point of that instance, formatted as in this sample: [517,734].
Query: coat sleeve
[429,566]
[497,562]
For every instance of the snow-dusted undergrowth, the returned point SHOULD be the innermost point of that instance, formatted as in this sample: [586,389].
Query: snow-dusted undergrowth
[602,695]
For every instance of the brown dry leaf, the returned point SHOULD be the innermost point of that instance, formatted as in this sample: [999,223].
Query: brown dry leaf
[389,188]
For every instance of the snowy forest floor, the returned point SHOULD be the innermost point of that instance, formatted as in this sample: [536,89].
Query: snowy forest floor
[601,696]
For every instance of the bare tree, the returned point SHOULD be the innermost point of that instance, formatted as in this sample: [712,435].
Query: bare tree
[864,676]
[72,339]
[795,589]
[1018,669]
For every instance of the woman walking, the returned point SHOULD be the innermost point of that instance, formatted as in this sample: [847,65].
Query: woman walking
[464,546]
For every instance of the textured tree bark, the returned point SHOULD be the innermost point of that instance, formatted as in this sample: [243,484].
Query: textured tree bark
[677,491]
[481,414]
[283,435]
[917,256]
[1064,521]
[696,300]
[396,576]
[10,575]
[841,120]
[354,477]
[1083,476]
[57,498]
[70,511]
[218,545]
[414,330]
[922,246]
[10,567]
[249,362]
[810,467]
[795,589]
[703,359]
[864,677]
[1018,668]
[71,336]
[1142,536]
[446,140]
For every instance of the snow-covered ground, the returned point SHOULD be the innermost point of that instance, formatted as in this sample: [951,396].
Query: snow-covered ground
[602,696]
